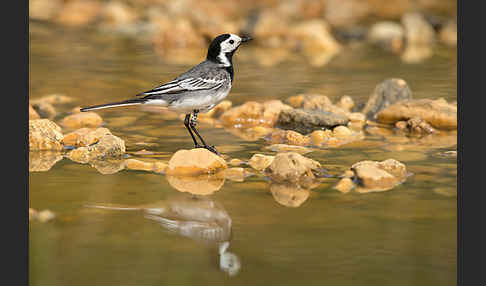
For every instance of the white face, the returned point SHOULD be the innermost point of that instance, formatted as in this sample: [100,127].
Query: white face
[227,46]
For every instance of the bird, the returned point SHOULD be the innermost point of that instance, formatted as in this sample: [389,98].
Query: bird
[195,91]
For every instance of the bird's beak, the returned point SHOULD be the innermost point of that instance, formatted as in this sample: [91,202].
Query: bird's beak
[245,39]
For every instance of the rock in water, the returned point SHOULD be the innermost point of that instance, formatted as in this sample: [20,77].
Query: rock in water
[108,146]
[438,113]
[84,137]
[385,94]
[195,162]
[260,162]
[292,167]
[44,135]
[379,176]
[83,119]
[305,121]
[289,195]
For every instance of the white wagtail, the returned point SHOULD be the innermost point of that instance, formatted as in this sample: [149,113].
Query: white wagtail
[197,90]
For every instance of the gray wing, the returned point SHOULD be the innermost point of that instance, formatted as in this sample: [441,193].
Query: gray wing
[201,77]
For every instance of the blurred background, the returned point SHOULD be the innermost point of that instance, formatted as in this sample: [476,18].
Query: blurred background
[98,51]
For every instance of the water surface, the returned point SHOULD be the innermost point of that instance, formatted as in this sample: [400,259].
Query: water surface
[406,236]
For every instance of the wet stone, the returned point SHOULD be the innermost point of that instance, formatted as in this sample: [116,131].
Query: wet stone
[84,137]
[292,167]
[259,162]
[379,176]
[195,162]
[385,94]
[438,113]
[44,135]
[83,119]
[305,121]
[44,109]
[288,137]
[108,146]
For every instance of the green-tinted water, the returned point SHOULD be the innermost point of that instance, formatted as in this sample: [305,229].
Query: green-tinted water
[406,236]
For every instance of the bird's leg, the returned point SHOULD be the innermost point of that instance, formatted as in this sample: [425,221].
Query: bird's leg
[187,122]
[193,123]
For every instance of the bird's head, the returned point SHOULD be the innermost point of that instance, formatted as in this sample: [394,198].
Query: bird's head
[223,47]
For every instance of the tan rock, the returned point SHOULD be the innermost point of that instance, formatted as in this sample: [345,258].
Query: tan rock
[53,99]
[44,135]
[45,215]
[160,167]
[342,132]
[32,113]
[83,119]
[379,176]
[289,195]
[388,35]
[296,101]
[42,161]
[318,137]
[289,137]
[117,14]
[438,113]
[259,162]
[45,110]
[292,167]
[79,12]
[195,162]
[344,185]
[197,185]
[346,103]
[84,137]
[272,109]
[108,146]
[246,115]
[448,33]
[218,110]
[417,30]
[288,148]
[235,162]
[317,43]
[44,9]
[32,214]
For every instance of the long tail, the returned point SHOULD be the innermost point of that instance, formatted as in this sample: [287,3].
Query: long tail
[135,101]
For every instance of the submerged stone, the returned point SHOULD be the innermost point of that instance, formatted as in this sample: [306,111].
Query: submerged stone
[44,135]
[292,167]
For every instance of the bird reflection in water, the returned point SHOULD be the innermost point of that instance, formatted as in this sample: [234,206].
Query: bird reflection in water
[202,220]
[194,216]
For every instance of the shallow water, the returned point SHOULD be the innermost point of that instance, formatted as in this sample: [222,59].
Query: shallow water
[406,236]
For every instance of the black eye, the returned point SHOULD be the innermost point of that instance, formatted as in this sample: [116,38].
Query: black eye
[232,42]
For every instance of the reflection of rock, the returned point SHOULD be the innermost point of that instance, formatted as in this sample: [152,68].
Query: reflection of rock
[108,167]
[41,161]
[195,162]
[437,113]
[385,94]
[293,167]
[289,195]
[236,174]
[197,185]
[44,135]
